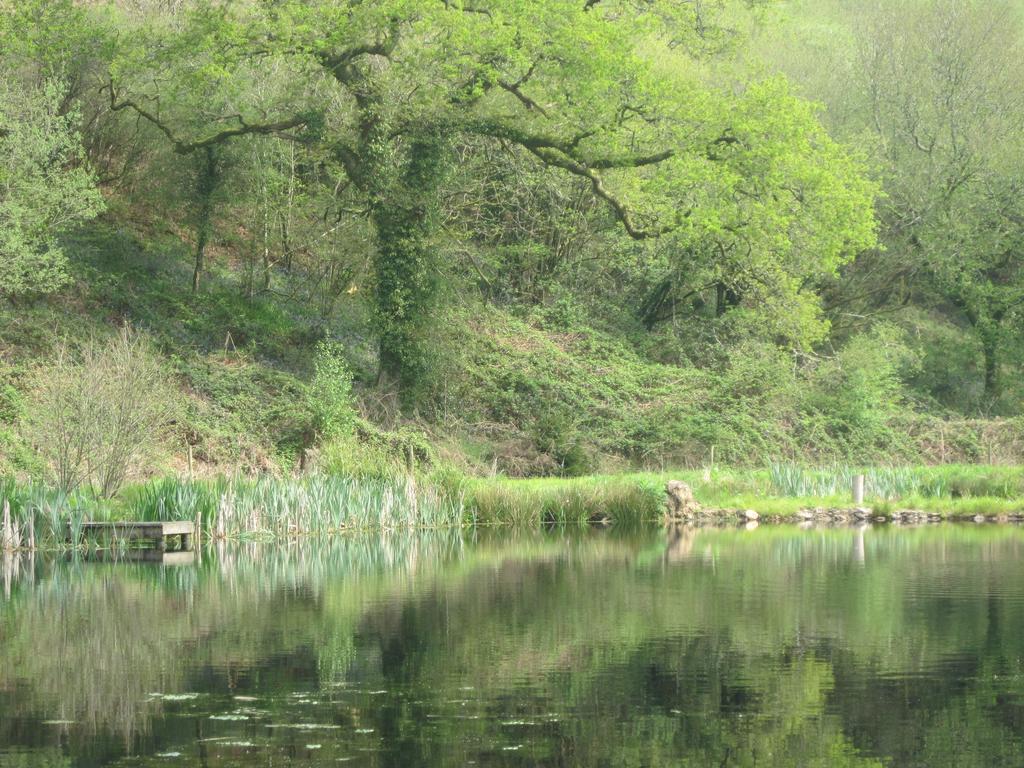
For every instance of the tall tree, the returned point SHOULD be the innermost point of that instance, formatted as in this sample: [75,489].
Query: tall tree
[46,186]
[602,90]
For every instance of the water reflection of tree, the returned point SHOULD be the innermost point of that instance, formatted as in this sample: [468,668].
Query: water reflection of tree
[768,647]
[94,641]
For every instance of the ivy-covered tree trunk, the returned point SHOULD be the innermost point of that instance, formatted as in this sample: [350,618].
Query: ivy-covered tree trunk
[987,324]
[400,176]
[405,286]
[402,179]
[726,298]
[988,331]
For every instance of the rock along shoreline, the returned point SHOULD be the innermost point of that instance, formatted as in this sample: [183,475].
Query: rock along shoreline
[683,508]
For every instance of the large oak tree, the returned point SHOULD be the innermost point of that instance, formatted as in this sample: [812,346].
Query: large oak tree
[606,91]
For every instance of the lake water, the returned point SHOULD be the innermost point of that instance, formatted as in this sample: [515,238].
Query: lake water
[769,647]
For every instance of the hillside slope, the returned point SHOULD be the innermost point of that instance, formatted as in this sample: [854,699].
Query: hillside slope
[515,393]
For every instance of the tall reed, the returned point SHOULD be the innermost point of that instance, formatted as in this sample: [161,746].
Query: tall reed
[314,504]
[35,515]
[885,483]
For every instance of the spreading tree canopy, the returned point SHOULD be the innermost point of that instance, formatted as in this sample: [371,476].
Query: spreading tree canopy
[605,91]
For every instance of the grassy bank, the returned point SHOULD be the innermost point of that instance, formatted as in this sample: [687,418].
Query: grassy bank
[321,505]
[623,499]
[778,491]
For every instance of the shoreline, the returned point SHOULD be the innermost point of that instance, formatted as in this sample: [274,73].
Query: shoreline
[282,508]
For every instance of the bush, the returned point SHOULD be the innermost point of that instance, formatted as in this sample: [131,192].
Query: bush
[330,394]
[859,390]
[98,415]
[369,452]
[556,434]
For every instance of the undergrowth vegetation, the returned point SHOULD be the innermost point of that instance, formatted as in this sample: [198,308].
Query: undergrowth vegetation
[267,386]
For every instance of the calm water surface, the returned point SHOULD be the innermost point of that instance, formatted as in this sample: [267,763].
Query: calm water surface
[772,647]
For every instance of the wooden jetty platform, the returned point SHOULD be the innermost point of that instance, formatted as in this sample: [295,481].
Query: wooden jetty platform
[154,533]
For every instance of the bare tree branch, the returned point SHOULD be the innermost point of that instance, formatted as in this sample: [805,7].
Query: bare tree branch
[525,100]
[564,154]
[184,147]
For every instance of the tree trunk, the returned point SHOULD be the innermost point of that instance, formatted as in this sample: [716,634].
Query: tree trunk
[266,252]
[405,288]
[990,351]
[726,298]
[286,244]
[400,179]
[405,264]
[206,185]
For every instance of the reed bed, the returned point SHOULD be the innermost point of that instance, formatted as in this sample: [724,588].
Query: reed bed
[895,483]
[38,517]
[886,483]
[271,507]
[35,516]
[317,504]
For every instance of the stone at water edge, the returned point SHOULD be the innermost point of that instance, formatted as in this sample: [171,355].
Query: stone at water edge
[750,515]
[681,503]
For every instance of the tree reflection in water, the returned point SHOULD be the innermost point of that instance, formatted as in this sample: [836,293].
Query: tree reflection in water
[693,646]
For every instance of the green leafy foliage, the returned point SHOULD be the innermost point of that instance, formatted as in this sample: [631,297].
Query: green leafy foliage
[45,188]
[330,393]
[545,237]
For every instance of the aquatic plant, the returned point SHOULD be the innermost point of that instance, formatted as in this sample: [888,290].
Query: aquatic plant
[36,515]
[291,506]
[886,483]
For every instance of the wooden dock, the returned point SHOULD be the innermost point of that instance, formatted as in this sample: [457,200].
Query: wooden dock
[154,533]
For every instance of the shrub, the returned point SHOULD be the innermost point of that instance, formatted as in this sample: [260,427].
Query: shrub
[330,393]
[369,452]
[556,434]
[97,415]
[859,390]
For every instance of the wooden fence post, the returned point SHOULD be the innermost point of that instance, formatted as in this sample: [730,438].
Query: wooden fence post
[858,490]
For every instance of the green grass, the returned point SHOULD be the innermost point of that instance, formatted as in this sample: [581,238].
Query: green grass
[626,499]
[779,491]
